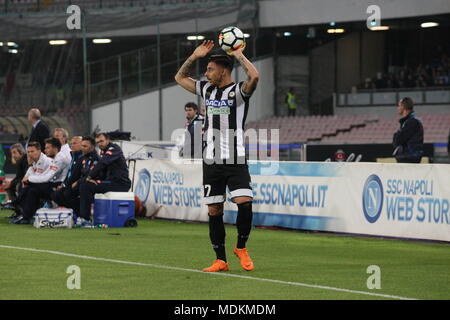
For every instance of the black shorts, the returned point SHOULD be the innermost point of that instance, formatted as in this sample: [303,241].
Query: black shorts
[216,177]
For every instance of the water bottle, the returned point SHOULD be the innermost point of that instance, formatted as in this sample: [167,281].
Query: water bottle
[101,226]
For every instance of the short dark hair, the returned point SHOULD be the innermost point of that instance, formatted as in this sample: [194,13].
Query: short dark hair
[222,59]
[54,142]
[89,138]
[103,134]
[407,103]
[191,105]
[35,144]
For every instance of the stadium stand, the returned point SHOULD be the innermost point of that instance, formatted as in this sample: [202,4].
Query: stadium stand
[349,129]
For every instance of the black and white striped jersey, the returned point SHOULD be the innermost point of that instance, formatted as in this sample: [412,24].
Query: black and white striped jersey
[226,112]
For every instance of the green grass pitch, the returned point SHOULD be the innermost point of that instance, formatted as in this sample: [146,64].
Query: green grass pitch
[409,269]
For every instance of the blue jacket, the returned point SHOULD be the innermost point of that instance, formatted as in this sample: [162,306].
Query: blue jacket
[112,166]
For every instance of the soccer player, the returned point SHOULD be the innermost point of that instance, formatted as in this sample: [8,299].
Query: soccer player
[224,162]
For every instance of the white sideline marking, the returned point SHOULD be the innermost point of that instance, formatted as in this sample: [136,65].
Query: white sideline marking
[208,273]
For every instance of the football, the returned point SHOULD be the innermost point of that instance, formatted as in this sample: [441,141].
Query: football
[231,38]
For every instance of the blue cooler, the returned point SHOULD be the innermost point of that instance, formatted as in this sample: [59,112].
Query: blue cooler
[115,209]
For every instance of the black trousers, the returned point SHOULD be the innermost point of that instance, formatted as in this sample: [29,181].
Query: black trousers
[14,190]
[291,112]
[32,201]
[68,197]
[89,189]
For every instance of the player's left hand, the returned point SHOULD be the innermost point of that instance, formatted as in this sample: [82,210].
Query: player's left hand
[238,51]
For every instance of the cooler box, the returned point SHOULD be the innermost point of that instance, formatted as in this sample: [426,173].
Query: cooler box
[113,208]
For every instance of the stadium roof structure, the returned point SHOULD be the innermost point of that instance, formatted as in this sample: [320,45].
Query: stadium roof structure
[120,17]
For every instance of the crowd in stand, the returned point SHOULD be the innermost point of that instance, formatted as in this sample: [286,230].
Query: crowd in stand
[434,74]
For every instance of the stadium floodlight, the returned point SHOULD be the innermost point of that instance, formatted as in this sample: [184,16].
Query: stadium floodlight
[14,51]
[339,30]
[379,28]
[9,44]
[101,41]
[429,24]
[287,34]
[57,42]
[192,38]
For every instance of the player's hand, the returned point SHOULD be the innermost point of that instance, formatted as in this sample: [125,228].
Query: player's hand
[74,184]
[25,180]
[237,52]
[203,49]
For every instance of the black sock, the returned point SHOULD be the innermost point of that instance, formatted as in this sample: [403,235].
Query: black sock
[244,223]
[217,236]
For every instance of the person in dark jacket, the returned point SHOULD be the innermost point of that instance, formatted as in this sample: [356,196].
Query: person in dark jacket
[193,135]
[40,130]
[109,174]
[408,140]
[68,195]
[13,187]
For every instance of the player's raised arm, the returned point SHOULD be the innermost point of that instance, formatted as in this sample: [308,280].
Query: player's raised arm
[183,75]
[249,85]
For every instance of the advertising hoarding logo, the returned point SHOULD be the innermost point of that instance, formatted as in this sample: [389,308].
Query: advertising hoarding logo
[143,185]
[372,198]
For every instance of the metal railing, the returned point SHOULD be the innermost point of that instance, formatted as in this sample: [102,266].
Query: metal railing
[152,67]
[380,97]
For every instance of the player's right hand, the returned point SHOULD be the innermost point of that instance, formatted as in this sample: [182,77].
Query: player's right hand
[203,49]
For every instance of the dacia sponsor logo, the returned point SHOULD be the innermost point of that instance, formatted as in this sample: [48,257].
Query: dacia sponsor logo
[218,103]
[372,199]
[221,110]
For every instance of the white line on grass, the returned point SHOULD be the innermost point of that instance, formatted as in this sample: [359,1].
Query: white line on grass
[208,273]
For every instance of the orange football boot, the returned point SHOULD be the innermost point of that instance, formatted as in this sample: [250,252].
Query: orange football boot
[246,261]
[218,265]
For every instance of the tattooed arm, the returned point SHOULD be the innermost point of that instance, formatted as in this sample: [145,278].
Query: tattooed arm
[183,75]
[249,85]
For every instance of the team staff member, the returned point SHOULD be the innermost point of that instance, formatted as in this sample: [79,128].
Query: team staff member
[193,135]
[109,174]
[69,195]
[13,187]
[224,162]
[19,158]
[408,140]
[63,136]
[40,130]
[75,154]
[42,186]
[39,163]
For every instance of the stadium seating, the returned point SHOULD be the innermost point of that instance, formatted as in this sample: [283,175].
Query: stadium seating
[349,129]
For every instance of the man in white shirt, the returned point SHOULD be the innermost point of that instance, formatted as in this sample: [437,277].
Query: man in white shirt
[63,136]
[46,173]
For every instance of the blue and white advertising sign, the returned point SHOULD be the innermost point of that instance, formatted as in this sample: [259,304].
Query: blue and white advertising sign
[393,200]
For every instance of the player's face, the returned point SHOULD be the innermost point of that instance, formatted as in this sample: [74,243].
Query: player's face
[59,135]
[400,108]
[214,73]
[75,144]
[102,142]
[190,113]
[86,147]
[33,153]
[50,150]
[15,154]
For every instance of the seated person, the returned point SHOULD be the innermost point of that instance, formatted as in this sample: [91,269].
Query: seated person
[13,187]
[40,186]
[68,194]
[112,166]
